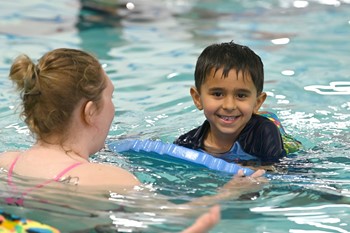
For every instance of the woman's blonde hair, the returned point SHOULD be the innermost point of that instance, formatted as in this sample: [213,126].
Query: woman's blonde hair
[52,88]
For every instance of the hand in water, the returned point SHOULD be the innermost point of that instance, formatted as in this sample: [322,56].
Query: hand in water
[241,184]
[205,222]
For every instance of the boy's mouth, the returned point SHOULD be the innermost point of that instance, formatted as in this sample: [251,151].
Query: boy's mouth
[228,118]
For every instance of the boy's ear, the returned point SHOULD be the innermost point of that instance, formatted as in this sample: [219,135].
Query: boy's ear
[259,101]
[196,98]
[88,112]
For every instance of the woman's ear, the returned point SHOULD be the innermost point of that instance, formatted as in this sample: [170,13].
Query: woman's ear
[196,97]
[259,101]
[88,112]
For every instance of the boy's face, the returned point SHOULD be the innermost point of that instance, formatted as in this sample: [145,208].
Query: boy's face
[228,102]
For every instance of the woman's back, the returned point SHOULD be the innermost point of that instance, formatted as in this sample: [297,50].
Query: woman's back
[58,166]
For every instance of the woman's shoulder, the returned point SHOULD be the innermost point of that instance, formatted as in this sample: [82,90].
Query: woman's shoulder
[7,157]
[99,174]
[9,154]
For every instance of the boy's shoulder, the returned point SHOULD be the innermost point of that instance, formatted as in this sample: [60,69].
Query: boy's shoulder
[259,123]
[257,118]
[262,138]
[193,139]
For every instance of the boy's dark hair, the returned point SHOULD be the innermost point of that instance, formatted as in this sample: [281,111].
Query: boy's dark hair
[229,56]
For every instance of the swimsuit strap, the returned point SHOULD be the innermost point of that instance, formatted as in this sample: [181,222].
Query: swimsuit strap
[10,172]
[61,174]
[57,178]
[19,201]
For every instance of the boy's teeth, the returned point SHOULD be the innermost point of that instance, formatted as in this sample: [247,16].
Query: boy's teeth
[227,118]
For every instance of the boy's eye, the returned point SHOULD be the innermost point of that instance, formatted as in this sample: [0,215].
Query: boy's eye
[217,94]
[241,95]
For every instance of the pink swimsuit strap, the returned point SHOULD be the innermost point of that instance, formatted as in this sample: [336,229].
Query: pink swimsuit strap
[56,178]
[19,201]
[10,172]
[67,169]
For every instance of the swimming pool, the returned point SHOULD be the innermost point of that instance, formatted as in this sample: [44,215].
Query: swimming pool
[150,51]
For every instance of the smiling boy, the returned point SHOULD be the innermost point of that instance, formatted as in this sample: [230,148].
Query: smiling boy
[228,88]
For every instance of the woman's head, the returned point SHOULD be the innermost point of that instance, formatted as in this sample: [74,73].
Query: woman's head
[52,89]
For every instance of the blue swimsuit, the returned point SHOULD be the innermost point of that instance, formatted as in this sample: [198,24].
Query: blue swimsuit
[260,140]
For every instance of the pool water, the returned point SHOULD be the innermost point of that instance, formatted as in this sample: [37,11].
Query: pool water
[150,49]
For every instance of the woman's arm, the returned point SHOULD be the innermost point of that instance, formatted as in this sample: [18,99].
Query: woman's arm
[233,189]
[205,222]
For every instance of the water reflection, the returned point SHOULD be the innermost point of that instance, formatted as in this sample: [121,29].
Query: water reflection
[334,88]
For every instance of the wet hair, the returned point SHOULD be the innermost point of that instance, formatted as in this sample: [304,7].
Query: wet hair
[52,88]
[228,56]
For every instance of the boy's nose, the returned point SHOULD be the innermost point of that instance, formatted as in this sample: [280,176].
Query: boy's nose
[229,103]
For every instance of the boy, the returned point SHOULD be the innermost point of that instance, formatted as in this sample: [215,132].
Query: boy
[229,89]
